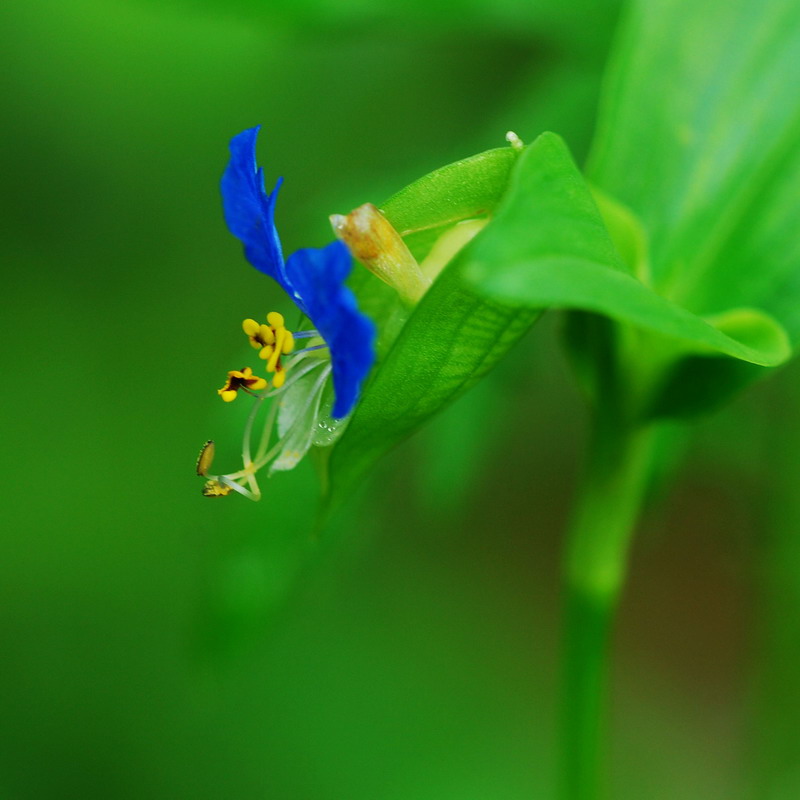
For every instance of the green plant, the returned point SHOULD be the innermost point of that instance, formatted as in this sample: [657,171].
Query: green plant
[676,258]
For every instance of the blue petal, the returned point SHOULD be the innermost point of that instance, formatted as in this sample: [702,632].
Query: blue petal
[313,278]
[318,276]
[249,210]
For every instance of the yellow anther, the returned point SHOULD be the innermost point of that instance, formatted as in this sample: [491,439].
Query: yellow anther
[279,378]
[240,379]
[280,336]
[250,327]
[288,343]
[258,333]
[266,352]
[275,319]
[267,335]
[205,458]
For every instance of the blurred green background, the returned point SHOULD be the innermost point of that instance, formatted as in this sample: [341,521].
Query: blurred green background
[156,644]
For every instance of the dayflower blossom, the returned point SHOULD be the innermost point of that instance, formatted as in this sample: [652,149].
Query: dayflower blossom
[313,278]
[341,344]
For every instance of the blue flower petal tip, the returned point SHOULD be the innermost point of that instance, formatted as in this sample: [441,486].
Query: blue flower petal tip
[249,210]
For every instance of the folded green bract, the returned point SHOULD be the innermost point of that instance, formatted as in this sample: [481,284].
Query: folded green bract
[704,153]
[433,352]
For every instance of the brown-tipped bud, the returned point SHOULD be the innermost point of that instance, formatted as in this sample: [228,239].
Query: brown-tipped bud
[379,247]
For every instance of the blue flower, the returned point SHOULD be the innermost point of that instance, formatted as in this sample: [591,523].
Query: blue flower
[313,278]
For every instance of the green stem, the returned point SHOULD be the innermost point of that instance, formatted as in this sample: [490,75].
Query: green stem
[595,567]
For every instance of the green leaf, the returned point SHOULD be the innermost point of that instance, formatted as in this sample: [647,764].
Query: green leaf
[700,136]
[698,384]
[550,248]
[452,338]
[431,354]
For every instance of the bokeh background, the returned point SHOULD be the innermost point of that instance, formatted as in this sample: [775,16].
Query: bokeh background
[156,644]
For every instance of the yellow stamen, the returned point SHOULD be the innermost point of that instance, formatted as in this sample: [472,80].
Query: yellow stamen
[240,379]
[272,340]
[267,335]
[272,363]
[281,344]
[258,333]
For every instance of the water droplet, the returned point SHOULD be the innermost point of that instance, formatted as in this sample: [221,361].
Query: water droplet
[326,432]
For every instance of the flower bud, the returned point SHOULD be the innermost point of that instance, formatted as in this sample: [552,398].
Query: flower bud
[379,247]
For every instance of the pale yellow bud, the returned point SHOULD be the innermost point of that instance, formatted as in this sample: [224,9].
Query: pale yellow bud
[379,247]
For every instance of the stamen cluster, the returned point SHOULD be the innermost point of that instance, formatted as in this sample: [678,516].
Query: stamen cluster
[272,341]
[311,367]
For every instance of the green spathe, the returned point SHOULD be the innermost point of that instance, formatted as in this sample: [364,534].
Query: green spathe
[435,351]
[550,248]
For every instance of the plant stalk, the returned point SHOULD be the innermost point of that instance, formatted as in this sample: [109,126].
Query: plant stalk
[595,567]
